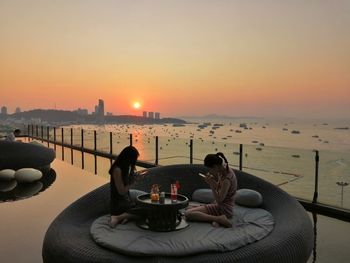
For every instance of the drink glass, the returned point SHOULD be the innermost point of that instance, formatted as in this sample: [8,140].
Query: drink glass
[162,197]
[173,193]
[155,193]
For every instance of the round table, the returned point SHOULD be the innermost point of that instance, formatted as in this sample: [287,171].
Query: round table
[162,216]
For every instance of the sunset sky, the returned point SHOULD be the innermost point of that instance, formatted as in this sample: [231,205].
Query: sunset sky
[180,57]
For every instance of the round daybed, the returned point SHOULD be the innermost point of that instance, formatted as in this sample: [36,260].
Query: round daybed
[68,237]
[17,155]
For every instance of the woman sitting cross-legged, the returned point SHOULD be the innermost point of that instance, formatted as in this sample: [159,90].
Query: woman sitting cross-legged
[122,176]
[222,180]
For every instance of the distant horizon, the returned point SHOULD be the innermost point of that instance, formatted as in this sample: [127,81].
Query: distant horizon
[206,116]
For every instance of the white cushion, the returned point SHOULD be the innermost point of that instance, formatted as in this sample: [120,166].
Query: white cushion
[203,196]
[28,175]
[7,174]
[135,193]
[248,197]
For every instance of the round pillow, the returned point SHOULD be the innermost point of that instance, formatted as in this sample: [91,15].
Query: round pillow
[248,197]
[28,175]
[135,193]
[203,196]
[7,174]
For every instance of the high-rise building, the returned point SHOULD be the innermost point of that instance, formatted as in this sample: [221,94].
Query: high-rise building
[96,110]
[157,115]
[100,111]
[101,108]
[18,110]
[144,114]
[4,110]
[151,115]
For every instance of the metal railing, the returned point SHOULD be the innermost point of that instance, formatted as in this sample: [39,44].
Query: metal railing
[33,133]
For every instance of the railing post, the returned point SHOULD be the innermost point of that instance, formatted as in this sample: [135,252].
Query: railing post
[82,149]
[130,139]
[156,162]
[240,157]
[71,144]
[42,133]
[54,138]
[62,139]
[95,149]
[28,132]
[191,151]
[317,160]
[110,146]
[37,130]
[32,131]
[48,136]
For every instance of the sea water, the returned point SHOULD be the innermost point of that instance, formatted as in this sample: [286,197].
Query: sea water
[281,151]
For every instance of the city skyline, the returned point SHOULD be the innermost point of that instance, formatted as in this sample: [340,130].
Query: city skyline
[180,58]
[99,111]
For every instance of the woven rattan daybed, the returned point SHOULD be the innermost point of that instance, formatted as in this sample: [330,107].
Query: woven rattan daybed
[16,155]
[68,237]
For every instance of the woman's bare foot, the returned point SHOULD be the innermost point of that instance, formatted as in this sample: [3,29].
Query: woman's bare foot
[124,221]
[222,220]
[113,221]
[215,224]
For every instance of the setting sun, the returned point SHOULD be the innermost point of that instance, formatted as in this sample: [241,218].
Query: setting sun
[136,105]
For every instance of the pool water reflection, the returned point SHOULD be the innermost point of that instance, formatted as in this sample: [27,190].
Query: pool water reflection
[13,191]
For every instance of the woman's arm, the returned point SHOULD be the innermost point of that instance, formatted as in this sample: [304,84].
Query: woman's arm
[219,194]
[139,176]
[118,181]
[222,192]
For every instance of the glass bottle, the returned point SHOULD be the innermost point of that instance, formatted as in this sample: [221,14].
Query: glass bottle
[173,192]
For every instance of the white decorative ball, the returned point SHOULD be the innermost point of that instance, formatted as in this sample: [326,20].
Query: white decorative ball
[7,174]
[28,175]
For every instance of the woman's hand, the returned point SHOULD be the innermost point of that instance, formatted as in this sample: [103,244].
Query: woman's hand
[209,179]
[138,176]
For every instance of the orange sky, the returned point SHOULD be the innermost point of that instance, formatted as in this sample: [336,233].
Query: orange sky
[239,58]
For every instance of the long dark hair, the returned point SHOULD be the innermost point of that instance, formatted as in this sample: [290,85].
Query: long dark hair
[125,160]
[216,159]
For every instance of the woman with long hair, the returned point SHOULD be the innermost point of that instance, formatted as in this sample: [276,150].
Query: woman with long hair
[223,183]
[122,176]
